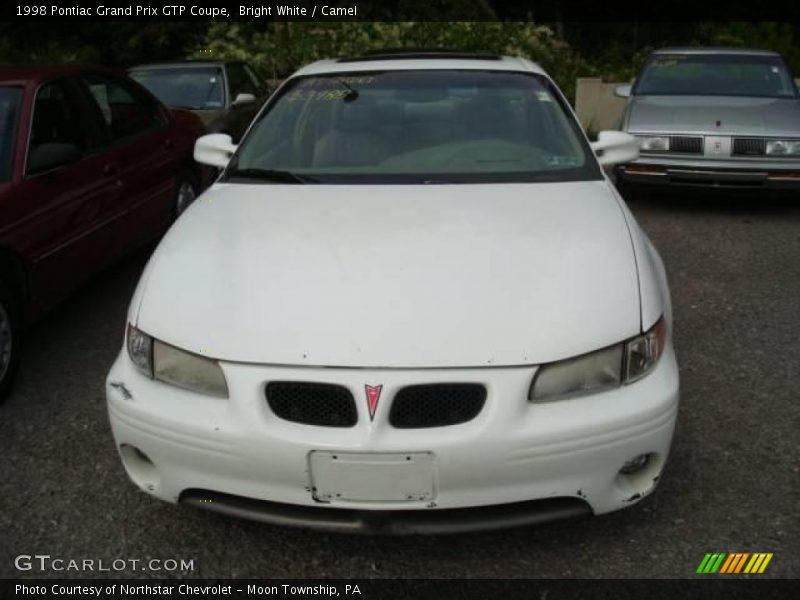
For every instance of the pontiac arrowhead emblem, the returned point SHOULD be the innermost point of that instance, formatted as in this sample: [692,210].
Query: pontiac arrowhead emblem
[373,396]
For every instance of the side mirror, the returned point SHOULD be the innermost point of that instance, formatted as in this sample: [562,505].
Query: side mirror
[243,99]
[623,91]
[51,156]
[615,147]
[214,149]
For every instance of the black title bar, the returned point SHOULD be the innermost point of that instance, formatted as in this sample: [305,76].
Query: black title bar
[707,588]
[399,10]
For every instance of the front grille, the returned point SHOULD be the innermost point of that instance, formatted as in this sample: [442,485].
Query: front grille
[312,403]
[436,405]
[749,146]
[686,144]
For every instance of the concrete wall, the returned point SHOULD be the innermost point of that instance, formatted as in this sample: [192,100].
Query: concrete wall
[597,106]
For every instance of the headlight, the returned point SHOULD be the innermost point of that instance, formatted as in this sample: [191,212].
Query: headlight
[174,366]
[577,376]
[605,369]
[140,350]
[186,370]
[783,147]
[653,143]
[642,353]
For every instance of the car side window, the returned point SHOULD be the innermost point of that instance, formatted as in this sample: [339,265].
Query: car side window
[255,79]
[56,128]
[124,110]
[9,111]
[240,82]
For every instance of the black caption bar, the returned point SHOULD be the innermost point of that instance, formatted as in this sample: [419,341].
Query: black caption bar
[299,10]
[399,10]
[707,589]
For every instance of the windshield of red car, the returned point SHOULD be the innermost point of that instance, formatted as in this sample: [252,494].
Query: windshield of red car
[716,75]
[418,126]
[9,107]
[195,88]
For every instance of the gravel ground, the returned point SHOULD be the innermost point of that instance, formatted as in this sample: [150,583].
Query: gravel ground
[731,484]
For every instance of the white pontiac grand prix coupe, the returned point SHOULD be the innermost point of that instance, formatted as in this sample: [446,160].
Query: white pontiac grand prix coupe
[412,302]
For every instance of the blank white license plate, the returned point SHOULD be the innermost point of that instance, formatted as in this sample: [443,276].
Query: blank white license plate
[371,477]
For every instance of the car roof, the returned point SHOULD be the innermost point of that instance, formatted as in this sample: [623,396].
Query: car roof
[182,64]
[21,74]
[419,60]
[716,50]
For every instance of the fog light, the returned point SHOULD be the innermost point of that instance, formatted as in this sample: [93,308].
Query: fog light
[636,464]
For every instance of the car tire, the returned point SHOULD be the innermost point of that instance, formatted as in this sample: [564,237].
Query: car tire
[185,193]
[10,340]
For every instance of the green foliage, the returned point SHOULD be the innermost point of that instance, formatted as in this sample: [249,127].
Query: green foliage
[780,37]
[23,43]
[619,57]
[614,51]
[118,44]
[276,49]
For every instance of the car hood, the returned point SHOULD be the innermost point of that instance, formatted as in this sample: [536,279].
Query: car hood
[394,276]
[210,117]
[700,114]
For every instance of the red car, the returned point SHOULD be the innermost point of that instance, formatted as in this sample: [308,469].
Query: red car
[91,166]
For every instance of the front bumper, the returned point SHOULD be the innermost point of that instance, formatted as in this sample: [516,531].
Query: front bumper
[235,456]
[719,173]
[396,522]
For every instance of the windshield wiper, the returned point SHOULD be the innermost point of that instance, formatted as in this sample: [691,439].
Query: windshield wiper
[276,175]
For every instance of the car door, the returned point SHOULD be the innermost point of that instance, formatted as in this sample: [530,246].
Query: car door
[139,137]
[62,227]
[242,80]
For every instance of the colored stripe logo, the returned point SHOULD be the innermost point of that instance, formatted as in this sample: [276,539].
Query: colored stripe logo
[734,562]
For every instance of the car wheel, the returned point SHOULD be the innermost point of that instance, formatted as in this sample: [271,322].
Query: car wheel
[185,195]
[9,340]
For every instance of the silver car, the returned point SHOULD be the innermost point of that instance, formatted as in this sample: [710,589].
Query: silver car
[226,95]
[720,117]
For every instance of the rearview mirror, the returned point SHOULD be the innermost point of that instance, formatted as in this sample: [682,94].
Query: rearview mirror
[615,147]
[214,149]
[243,99]
[623,91]
[47,157]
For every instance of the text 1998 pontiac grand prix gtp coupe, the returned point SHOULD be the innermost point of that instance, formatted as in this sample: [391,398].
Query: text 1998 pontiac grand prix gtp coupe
[413,302]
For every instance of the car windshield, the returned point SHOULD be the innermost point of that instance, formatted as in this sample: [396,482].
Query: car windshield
[195,88]
[9,107]
[716,75]
[432,126]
